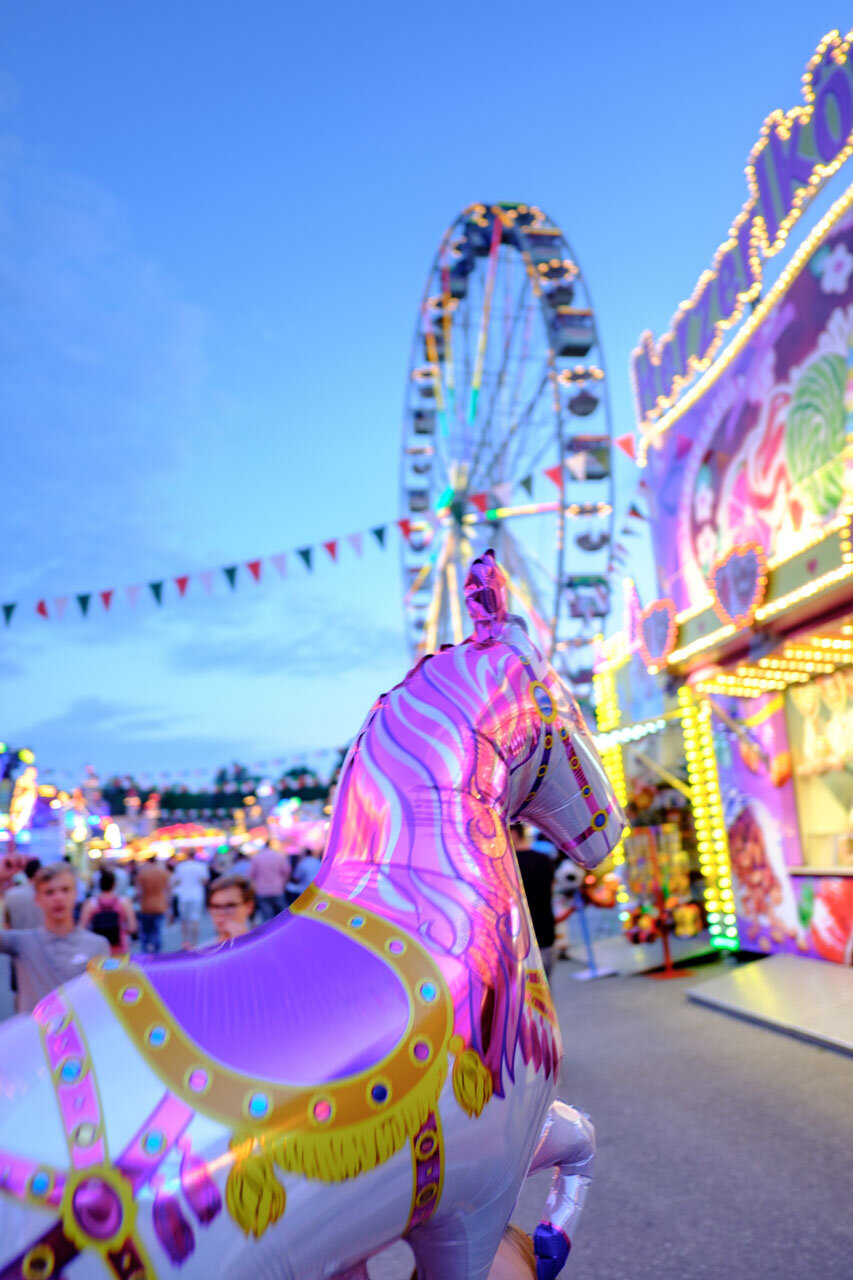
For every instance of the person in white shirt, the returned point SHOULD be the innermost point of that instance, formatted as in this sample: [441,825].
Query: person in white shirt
[189,885]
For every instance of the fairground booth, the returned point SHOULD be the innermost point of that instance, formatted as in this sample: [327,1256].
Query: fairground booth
[729,698]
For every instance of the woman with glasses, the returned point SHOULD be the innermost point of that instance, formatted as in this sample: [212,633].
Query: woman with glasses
[231,903]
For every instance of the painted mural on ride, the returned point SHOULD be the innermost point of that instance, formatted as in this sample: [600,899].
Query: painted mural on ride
[380,1061]
[755,467]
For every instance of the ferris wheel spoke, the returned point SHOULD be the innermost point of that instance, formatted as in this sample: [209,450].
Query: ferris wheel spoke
[453,597]
[499,383]
[490,464]
[436,603]
[522,586]
[527,465]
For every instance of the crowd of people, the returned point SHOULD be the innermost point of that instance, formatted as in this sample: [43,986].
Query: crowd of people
[54,924]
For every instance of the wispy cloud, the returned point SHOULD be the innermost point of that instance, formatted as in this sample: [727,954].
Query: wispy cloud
[109,733]
[336,642]
[104,365]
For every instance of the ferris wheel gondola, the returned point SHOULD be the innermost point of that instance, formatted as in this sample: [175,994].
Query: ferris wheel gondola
[507,437]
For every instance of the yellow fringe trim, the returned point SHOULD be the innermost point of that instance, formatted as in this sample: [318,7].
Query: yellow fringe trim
[253,1194]
[336,1155]
[472,1080]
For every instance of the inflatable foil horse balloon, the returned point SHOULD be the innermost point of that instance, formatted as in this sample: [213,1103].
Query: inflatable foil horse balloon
[380,1061]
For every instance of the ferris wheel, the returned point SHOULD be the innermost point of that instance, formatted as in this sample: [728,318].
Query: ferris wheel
[507,437]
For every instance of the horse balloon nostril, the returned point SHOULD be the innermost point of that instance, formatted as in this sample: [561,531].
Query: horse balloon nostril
[97,1208]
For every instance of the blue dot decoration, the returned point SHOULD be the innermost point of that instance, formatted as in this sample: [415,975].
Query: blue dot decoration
[428,991]
[544,701]
[157,1036]
[70,1070]
[153,1142]
[110,963]
[259,1105]
[40,1184]
[357,922]
[587,791]
[379,1093]
[599,819]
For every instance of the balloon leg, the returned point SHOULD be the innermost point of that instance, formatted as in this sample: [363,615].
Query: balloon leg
[459,1251]
[567,1145]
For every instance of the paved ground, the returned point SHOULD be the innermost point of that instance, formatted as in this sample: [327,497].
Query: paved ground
[725,1150]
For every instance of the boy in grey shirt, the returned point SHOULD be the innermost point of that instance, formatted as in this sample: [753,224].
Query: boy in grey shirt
[57,951]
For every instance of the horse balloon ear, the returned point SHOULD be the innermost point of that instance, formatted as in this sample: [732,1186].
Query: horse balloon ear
[486,597]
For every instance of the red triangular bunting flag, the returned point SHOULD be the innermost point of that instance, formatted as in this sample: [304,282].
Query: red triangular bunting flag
[555,474]
[356,541]
[527,484]
[206,577]
[59,605]
[254,567]
[635,511]
[332,547]
[480,501]
[41,609]
[132,595]
[280,562]
[405,527]
[182,583]
[106,598]
[628,445]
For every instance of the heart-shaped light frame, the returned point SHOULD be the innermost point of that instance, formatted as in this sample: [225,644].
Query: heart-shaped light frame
[656,661]
[739,552]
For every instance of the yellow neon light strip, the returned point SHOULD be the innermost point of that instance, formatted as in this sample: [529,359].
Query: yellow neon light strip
[708,820]
[804,592]
[608,716]
[447,326]
[487,311]
[704,642]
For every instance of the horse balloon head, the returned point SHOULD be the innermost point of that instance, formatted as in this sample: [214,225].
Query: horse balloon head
[557,780]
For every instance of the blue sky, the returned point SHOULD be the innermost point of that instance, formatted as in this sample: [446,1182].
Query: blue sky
[215,225]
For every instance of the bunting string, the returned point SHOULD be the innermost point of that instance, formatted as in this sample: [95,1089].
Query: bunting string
[586,460]
[181,585]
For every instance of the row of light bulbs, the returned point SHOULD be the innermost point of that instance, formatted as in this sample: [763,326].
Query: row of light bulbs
[708,820]
[607,716]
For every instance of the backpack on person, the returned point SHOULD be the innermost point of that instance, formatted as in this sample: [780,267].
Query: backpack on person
[106,921]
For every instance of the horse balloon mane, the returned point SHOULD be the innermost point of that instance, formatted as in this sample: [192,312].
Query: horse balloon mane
[378,1062]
